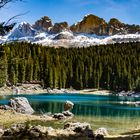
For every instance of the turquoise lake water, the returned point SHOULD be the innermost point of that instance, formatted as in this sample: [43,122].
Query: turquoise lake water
[99,111]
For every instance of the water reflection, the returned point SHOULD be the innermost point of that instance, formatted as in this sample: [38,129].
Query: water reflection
[99,111]
[85,105]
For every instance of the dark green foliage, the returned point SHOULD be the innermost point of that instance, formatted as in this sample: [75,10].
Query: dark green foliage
[3,67]
[113,67]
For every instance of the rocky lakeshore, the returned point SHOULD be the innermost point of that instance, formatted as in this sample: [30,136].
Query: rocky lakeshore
[38,89]
[16,123]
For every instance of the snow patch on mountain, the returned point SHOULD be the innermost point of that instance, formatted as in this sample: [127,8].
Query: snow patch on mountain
[25,32]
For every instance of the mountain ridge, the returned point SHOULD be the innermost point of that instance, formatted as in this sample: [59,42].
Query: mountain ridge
[92,30]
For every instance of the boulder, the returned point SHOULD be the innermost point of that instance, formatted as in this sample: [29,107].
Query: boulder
[15,129]
[68,113]
[59,116]
[82,128]
[68,106]
[101,132]
[21,105]
[39,131]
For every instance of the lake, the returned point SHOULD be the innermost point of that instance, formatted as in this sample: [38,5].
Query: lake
[99,111]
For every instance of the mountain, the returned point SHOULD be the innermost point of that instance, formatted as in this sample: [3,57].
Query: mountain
[59,27]
[23,30]
[44,24]
[91,30]
[92,24]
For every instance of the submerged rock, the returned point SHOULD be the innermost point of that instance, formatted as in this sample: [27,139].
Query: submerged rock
[68,106]
[21,105]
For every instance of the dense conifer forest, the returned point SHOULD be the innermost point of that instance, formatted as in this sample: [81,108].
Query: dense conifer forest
[114,67]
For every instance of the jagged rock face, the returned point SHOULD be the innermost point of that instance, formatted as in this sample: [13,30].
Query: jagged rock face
[115,23]
[115,27]
[59,27]
[44,24]
[23,30]
[21,105]
[90,24]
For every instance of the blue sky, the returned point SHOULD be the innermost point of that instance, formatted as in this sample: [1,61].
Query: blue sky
[74,10]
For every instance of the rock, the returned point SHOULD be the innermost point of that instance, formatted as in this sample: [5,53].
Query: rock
[68,113]
[15,129]
[59,27]
[8,132]
[68,106]
[59,116]
[92,24]
[44,24]
[1,132]
[83,128]
[39,131]
[18,128]
[23,30]
[5,107]
[101,132]
[21,105]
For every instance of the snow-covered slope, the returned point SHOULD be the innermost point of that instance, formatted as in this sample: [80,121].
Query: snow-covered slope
[25,32]
[22,30]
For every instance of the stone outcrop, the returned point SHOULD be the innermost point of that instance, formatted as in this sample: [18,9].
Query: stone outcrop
[20,105]
[66,113]
[83,128]
[23,30]
[59,116]
[92,24]
[59,27]
[101,133]
[44,24]
[26,131]
[71,131]
[68,106]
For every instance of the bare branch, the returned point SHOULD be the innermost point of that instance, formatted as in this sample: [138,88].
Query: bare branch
[14,17]
[5,2]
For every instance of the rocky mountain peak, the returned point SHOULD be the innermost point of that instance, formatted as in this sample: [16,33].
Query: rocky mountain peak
[115,23]
[44,24]
[93,20]
[90,24]
[24,29]
[59,27]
